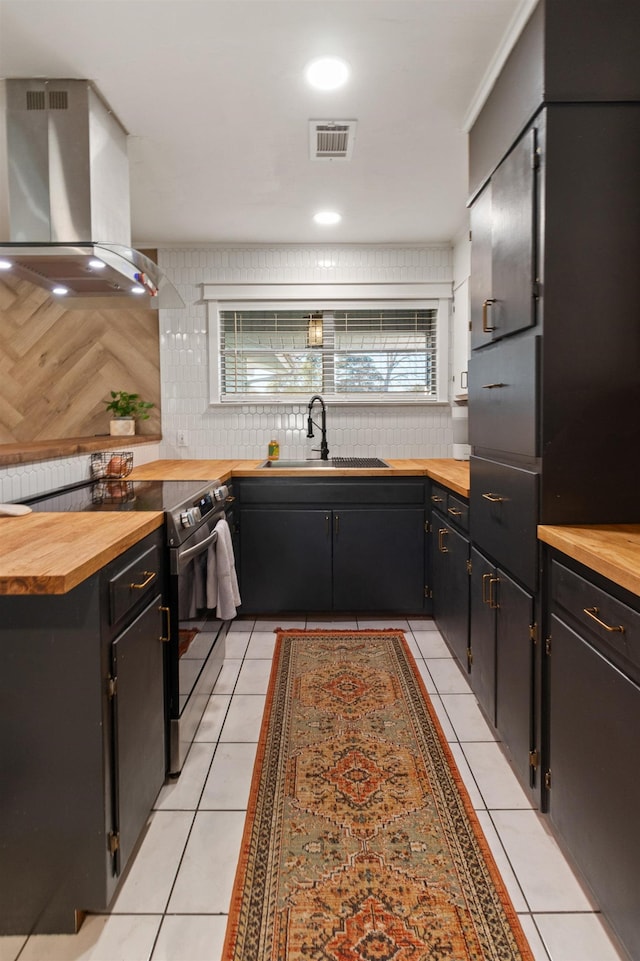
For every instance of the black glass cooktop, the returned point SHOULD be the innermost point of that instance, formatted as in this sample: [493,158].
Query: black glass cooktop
[119,495]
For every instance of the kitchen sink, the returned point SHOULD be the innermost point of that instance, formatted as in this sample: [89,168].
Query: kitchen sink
[361,462]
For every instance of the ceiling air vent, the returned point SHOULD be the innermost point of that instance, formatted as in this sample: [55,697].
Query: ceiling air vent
[331,139]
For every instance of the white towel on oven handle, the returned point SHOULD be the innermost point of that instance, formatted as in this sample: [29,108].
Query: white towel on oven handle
[222,580]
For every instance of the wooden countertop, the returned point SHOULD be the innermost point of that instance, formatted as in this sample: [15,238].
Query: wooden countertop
[52,553]
[67,446]
[612,550]
[453,474]
[46,553]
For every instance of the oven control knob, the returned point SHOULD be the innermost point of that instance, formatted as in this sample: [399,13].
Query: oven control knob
[221,493]
[187,519]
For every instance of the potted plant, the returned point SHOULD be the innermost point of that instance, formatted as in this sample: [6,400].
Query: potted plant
[125,409]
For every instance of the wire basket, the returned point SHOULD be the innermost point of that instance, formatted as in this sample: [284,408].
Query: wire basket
[111,463]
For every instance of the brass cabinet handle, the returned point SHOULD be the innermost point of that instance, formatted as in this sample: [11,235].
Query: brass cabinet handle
[494,498]
[166,611]
[593,612]
[454,512]
[437,500]
[492,386]
[493,603]
[441,533]
[149,577]
[485,578]
[486,326]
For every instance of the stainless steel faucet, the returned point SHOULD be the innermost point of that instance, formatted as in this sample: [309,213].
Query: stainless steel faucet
[324,450]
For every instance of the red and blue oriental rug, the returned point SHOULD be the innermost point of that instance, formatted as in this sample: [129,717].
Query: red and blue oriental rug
[361,843]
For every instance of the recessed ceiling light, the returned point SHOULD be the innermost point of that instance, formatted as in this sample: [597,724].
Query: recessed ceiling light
[327,73]
[5,265]
[60,291]
[137,290]
[327,217]
[97,264]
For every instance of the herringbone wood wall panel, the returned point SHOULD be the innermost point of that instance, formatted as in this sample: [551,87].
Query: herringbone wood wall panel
[58,366]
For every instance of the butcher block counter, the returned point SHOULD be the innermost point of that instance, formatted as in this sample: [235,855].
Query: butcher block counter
[452,473]
[612,550]
[52,553]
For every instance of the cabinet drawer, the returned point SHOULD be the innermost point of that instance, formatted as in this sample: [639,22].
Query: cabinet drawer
[610,625]
[458,512]
[504,511]
[134,583]
[438,497]
[503,396]
[455,509]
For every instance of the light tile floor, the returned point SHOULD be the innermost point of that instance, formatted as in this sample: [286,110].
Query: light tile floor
[174,901]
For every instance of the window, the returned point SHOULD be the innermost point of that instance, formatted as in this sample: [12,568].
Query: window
[373,352]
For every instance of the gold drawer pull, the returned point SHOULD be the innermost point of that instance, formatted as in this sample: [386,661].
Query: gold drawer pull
[593,612]
[492,386]
[494,498]
[437,500]
[454,512]
[441,533]
[149,577]
[486,326]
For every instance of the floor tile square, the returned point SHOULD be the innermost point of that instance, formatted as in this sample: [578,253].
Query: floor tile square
[10,946]
[229,779]
[422,624]
[533,937]
[228,676]
[502,862]
[198,937]
[576,936]
[235,645]
[447,676]
[147,885]
[445,723]
[183,793]
[431,644]
[495,779]
[254,676]
[213,718]
[466,717]
[205,878]
[262,645]
[382,623]
[244,718]
[547,881]
[101,938]
[467,777]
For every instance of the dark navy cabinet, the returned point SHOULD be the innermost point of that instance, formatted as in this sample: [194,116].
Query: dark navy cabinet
[349,544]
[82,739]
[449,560]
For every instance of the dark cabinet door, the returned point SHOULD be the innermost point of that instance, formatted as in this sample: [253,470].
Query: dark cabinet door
[285,560]
[378,559]
[503,248]
[515,672]
[450,585]
[503,401]
[138,716]
[595,792]
[483,601]
[480,283]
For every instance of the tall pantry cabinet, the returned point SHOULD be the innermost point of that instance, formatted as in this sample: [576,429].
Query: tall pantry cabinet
[554,382]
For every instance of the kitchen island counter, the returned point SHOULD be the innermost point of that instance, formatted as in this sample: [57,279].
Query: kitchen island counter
[52,553]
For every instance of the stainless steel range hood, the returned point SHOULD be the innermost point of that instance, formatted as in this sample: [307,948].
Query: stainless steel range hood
[65,221]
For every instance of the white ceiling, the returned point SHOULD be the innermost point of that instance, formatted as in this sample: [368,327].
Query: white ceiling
[213,96]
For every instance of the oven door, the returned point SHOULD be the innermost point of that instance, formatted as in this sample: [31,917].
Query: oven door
[196,648]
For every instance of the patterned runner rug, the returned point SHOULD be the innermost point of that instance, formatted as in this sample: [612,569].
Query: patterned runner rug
[361,843]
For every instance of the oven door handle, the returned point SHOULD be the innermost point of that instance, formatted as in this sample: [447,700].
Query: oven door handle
[184,556]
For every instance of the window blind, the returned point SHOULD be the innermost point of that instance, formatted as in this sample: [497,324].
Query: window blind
[341,353]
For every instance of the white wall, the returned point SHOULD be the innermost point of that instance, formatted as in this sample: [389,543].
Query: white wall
[244,432]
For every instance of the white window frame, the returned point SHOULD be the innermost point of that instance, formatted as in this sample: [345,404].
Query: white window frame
[441,304]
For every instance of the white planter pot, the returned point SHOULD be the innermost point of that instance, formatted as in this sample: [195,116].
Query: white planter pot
[122,427]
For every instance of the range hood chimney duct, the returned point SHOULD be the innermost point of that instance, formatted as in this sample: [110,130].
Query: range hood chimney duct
[65,219]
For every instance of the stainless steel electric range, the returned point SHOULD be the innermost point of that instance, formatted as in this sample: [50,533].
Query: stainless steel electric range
[195,652]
